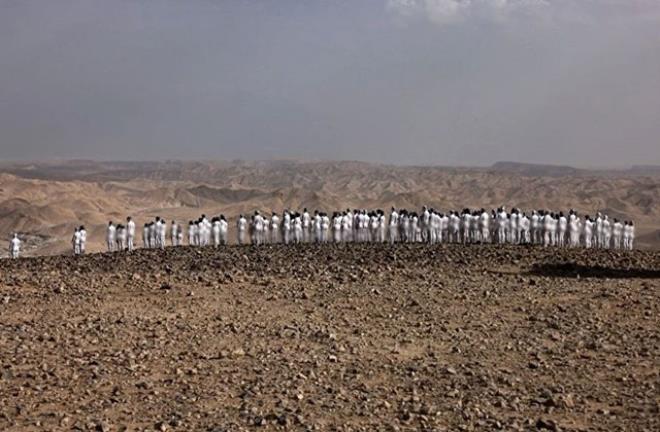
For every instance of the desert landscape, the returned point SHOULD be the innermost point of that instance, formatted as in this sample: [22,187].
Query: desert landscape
[45,201]
[346,321]
[348,337]
[315,337]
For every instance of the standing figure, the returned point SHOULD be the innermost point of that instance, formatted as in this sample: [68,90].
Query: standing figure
[111,236]
[307,225]
[121,237]
[75,241]
[174,234]
[617,233]
[297,228]
[274,228]
[224,229]
[286,227]
[83,239]
[191,233]
[241,227]
[215,228]
[588,231]
[394,224]
[145,236]
[14,246]
[130,237]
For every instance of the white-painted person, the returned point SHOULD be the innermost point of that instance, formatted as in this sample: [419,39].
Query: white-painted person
[275,228]
[513,227]
[404,223]
[425,225]
[346,230]
[208,227]
[607,232]
[562,229]
[546,225]
[573,229]
[179,235]
[415,230]
[631,235]
[75,241]
[224,230]
[325,228]
[297,228]
[502,224]
[444,227]
[174,233]
[306,225]
[162,234]
[191,233]
[266,232]
[111,233]
[617,234]
[318,222]
[241,228]
[145,236]
[215,228]
[121,237]
[130,233]
[200,232]
[599,231]
[588,232]
[394,223]
[433,226]
[535,225]
[484,226]
[14,246]
[83,239]
[286,227]
[524,224]
[382,226]
[336,227]
[156,233]
[455,226]
[153,235]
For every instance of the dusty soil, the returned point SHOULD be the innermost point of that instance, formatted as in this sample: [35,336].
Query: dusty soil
[349,337]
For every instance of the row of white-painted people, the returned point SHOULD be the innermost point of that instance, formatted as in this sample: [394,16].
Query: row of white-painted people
[498,226]
[469,226]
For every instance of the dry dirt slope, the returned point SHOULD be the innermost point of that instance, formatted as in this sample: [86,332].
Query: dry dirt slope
[45,201]
[349,337]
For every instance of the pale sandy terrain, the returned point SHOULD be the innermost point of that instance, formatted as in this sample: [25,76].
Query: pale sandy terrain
[45,201]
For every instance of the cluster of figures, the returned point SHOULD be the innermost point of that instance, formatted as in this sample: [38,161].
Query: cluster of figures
[468,226]
[430,226]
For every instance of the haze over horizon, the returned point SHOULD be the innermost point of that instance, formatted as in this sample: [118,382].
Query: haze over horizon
[409,82]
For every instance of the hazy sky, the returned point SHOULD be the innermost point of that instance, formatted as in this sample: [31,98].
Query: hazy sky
[464,82]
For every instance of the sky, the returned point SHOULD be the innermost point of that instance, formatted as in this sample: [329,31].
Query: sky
[441,82]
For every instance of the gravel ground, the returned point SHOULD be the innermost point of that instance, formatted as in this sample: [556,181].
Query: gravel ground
[333,337]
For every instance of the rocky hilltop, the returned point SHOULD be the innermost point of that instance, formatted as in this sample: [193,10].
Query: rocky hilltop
[356,337]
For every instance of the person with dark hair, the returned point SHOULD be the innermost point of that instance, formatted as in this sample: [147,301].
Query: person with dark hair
[121,237]
[215,228]
[224,230]
[75,241]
